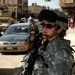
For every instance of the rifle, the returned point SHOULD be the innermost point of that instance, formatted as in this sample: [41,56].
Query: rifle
[34,55]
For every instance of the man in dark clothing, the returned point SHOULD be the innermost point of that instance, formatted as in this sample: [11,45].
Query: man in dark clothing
[58,54]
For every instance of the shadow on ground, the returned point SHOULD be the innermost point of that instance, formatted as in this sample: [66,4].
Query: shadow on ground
[10,71]
[14,53]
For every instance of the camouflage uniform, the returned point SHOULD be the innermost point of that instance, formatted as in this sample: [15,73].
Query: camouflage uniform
[58,56]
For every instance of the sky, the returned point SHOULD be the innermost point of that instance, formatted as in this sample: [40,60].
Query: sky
[52,4]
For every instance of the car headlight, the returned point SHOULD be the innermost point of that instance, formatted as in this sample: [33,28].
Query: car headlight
[1,43]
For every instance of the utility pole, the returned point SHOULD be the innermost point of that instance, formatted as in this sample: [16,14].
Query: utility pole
[16,8]
[22,5]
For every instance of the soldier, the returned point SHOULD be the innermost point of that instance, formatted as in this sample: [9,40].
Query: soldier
[58,58]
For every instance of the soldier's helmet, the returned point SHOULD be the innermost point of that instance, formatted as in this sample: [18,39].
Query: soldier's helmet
[55,16]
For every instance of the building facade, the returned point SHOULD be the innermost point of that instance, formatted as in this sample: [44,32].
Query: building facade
[69,7]
[17,6]
[35,9]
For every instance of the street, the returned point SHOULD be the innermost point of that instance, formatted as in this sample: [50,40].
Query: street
[10,64]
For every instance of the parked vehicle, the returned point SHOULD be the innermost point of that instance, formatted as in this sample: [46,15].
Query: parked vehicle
[18,37]
[6,19]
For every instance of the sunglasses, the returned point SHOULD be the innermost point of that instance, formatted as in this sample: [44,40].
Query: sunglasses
[49,26]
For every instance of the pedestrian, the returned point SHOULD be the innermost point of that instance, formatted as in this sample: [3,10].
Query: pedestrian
[58,56]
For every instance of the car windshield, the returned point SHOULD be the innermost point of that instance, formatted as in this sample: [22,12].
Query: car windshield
[4,21]
[17,30]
